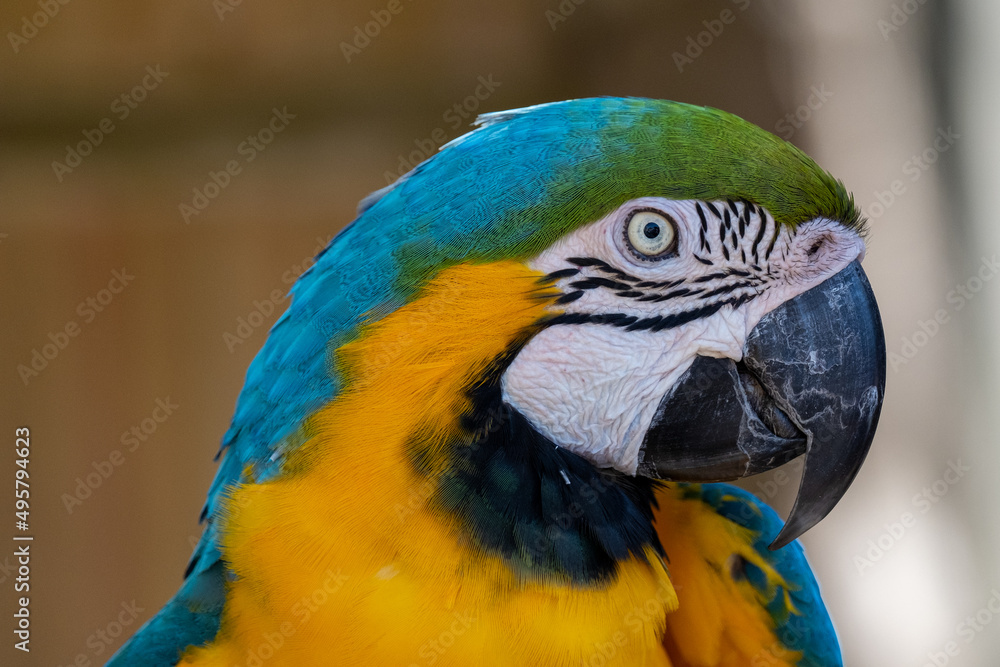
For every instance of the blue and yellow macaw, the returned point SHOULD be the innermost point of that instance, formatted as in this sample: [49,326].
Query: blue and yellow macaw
[491,426]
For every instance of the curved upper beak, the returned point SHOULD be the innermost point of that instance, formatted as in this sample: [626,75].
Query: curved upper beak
[811,382]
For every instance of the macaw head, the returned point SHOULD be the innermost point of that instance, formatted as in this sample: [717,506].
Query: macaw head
[700,339]
[516,339]
[713,320]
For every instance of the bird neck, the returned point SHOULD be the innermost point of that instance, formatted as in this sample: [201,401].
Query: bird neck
[419,495]
[428,377]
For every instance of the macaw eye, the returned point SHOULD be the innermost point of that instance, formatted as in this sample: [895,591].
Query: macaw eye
[650,234]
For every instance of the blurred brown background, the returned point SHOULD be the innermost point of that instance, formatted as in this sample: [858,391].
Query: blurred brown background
[865,87]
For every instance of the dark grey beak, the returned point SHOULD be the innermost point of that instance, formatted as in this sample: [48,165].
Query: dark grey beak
[811,382]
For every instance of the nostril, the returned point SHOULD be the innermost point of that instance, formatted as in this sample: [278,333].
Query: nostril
[818,244]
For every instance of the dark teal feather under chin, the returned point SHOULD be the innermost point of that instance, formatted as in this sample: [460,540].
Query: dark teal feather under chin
[550,514]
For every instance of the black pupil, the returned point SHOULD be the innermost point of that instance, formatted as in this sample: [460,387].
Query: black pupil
[651,230]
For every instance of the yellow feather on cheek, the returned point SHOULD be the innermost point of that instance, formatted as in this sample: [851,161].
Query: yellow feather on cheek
[344,560]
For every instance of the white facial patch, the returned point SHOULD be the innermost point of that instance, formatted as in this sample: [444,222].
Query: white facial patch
[630,325]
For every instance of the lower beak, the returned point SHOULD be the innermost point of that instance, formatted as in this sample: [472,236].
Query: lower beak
[811,382]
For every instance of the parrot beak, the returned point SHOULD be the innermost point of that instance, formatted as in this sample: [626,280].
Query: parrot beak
[811,382]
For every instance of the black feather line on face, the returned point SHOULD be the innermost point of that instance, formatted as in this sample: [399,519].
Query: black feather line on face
[665,284]
[711,276]
[558,275]
[770,246]
[595,282]
[675,294]
[732,232]
[703,229]
[726,289]
[760,235]
[639,292]
[656,322]
[602,266]
[569,297]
